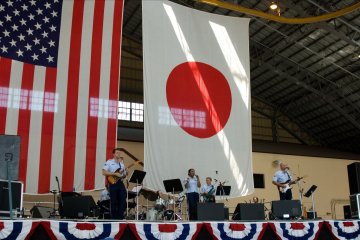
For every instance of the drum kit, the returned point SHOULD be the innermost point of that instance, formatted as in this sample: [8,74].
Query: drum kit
[163,210]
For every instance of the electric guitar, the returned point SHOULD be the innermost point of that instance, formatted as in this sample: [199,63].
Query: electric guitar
[288,184]
[113,179]
[209,196]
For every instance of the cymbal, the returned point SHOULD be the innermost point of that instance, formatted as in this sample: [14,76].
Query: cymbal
[149,194]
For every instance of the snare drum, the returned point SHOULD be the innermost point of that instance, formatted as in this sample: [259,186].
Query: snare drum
[160,204]
[169,215]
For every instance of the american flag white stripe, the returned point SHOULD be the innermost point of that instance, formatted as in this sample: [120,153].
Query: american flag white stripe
[13,98]
[104,90]
[82,118]
[61,88]
[36,109]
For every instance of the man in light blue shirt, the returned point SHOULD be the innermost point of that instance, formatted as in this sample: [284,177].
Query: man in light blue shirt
[282,179]
[115,172]
[208,190]
[192,184]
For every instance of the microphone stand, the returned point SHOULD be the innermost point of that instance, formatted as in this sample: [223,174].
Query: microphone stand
[8,159]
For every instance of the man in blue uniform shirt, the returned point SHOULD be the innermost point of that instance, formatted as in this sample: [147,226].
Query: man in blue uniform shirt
[115,170]
[282,179]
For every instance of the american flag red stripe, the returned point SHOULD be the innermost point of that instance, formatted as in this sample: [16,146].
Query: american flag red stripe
[47,132]
[56,119]
[24,118]
[72,97]
[95,68]
[5,69]
[114,77]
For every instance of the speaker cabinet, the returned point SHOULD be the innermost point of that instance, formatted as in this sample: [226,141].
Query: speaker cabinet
[347,212]
[249,211]
[210,211]
[79,207]
[354,206]
[286,209]
[41,212]
[354,177]
[17,197]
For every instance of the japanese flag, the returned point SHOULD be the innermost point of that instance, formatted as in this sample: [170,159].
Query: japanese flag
[197,96]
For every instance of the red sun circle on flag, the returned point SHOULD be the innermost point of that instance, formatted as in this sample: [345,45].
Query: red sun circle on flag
[199,98]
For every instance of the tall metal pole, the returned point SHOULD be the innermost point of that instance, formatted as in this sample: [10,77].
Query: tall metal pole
[8,158]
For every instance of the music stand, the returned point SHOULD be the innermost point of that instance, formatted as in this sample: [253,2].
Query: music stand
[223,191]
[137,177]
[309,193]
[173,186]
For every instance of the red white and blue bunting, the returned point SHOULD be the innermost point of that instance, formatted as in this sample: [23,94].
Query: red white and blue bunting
[345,229]
[232,230]
[84,230]
[165,231]
[16,229]
[297,230]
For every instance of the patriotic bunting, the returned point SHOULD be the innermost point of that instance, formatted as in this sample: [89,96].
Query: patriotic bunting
[344,229]
[165,231]
[232,231]
[297,230]
[16,229]
[84,230]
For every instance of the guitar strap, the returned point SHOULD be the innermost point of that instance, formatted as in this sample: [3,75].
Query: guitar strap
[288,176]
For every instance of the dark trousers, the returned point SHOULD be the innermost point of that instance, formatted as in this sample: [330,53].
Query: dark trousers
[192,201]
[286,195]
[117,200]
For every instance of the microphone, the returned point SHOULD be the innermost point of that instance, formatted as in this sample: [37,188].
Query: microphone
[56,178]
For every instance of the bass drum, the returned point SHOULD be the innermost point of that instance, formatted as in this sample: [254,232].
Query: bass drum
[153,215]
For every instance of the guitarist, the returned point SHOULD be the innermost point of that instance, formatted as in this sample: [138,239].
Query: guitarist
[282,179]
[115,168]
[208,190]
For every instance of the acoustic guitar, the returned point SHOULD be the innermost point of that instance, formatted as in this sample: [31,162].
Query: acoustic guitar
[114,179]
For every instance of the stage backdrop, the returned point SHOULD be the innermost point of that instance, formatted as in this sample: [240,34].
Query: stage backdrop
[59,83]
[197,96]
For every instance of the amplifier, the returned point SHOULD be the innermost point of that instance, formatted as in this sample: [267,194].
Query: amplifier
[354,206]
[17,197]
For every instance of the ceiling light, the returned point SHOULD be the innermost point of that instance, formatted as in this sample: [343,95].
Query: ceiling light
[273,5]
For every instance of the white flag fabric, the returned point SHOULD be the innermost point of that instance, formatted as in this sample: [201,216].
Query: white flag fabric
[197,96]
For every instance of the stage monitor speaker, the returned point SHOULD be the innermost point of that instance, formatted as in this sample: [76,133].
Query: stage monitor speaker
[210,211]
[41,212]
[354,177]
[347,212]
[17,197]
[79,207]
[355,206]
[286,209]
[249,211]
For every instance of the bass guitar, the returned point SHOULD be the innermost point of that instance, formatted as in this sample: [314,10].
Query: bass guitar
[113,179]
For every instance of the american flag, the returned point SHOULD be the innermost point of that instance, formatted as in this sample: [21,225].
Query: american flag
[59,81]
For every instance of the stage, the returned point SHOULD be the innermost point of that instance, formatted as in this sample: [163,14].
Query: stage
[95,229]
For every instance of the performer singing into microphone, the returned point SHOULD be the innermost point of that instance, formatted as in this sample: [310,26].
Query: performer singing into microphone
[115,169]
[282,179]
[192,184]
